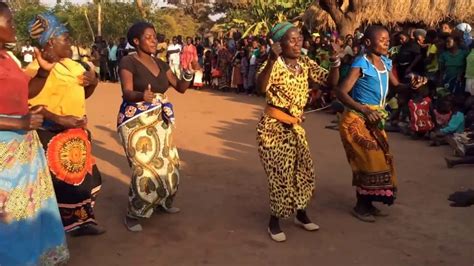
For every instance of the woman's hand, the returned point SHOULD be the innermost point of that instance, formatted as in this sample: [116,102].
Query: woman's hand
[148,95]
[417,81]
[33,120]
[70,121]
[43,62]
[373,116]
[275,50]
[88,79]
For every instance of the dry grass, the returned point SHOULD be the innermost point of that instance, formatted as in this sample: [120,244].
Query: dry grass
[429,12]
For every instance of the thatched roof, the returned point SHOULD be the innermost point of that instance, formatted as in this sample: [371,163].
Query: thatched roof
[429,12]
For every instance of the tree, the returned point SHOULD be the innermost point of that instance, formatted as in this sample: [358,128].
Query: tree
[347,15]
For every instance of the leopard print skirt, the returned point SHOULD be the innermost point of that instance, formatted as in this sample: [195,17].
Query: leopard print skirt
[286,159]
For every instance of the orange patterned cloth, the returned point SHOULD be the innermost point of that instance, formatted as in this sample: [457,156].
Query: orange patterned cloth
[368,154]
[69,156]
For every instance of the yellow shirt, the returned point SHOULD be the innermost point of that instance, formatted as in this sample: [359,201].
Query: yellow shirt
[62,94]
[433,66]
[162,55]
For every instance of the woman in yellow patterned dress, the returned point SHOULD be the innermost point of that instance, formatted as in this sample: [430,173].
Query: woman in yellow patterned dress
[282,144]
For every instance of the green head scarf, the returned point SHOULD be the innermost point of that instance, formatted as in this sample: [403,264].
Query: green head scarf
[279,30]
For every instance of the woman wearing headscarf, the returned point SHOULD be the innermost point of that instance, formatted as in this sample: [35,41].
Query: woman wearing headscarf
[62,86]
[145,125]
[465,29]
[31,232]
[282,144]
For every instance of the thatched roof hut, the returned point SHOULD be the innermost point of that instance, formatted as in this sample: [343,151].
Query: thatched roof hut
[429,12]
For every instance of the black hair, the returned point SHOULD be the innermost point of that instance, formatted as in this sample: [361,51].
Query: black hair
[371,31]
[4,6]
[136,31]
[431,35]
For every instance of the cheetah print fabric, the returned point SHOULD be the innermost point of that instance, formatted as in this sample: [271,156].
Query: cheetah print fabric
[283,149]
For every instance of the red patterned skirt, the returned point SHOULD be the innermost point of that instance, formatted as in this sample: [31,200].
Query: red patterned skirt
[76,178]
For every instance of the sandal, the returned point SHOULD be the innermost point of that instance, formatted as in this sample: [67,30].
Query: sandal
[88,230]
[378,213]
[365,217]
[135,226]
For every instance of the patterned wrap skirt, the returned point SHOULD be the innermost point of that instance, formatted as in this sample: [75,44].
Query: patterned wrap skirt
[76,178]
[369,156]
[31,232]
[146,131]
[286,159]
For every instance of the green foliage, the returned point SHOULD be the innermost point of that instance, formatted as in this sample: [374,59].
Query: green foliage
[261,15]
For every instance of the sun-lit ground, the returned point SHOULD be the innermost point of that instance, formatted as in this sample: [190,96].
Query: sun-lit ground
[224,199]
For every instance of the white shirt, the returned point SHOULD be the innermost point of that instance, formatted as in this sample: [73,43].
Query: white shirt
[174,58]
[27,58]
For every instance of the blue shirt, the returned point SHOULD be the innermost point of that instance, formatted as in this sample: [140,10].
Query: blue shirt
[372,87]
[455,125]
[113,53]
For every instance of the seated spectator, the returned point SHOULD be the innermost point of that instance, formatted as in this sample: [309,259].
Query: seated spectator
[455,125]
[421,120]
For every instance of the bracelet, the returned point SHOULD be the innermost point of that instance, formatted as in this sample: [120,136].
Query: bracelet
[187,76]
[335,64]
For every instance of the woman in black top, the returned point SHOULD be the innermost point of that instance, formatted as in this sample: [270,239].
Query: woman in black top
[145,125]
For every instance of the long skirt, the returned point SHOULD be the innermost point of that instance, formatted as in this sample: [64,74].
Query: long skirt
[76,178]
[236,80]
[146,132]
[368,154]
[286,159]
[31,232]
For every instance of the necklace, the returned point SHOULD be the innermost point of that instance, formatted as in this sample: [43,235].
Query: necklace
[293,67]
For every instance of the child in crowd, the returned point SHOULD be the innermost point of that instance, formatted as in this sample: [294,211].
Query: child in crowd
[455,125]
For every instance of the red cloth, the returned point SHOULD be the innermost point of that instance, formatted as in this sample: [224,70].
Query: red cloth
[189,55]
[420,117]
[14,87]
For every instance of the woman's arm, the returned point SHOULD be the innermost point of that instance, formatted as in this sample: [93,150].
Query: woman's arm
[264,77]
[342,93]
[179,85]
[31,121]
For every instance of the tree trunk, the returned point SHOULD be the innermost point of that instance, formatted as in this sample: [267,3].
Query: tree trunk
[99,19]
[141,8]
[345,20]
[346,26]
[89,24]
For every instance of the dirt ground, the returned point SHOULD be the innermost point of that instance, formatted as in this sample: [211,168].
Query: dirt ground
[224,199]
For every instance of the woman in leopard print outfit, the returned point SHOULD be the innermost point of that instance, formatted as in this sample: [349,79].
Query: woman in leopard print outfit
[282,143]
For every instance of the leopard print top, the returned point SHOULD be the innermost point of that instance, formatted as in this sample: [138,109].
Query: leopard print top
[288,90]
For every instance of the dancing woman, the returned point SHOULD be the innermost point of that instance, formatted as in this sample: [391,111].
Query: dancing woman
[31,232]
[364,93]
[282,144]
[145,125]
[62,86]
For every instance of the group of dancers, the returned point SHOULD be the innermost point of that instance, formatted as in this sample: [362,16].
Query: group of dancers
[48,177]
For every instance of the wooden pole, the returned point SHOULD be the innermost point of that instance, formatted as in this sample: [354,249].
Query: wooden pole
[99,19]
[89,24]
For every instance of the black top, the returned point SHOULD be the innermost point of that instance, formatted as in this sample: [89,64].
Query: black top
[142,76]
[408,53]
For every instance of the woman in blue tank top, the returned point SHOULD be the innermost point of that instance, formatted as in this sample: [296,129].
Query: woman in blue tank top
[364,93]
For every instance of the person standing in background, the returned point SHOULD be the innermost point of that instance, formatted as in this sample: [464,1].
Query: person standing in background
[174,54]
[162,48]
[200,51]
[28,53]
[112,53]
[104,58]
